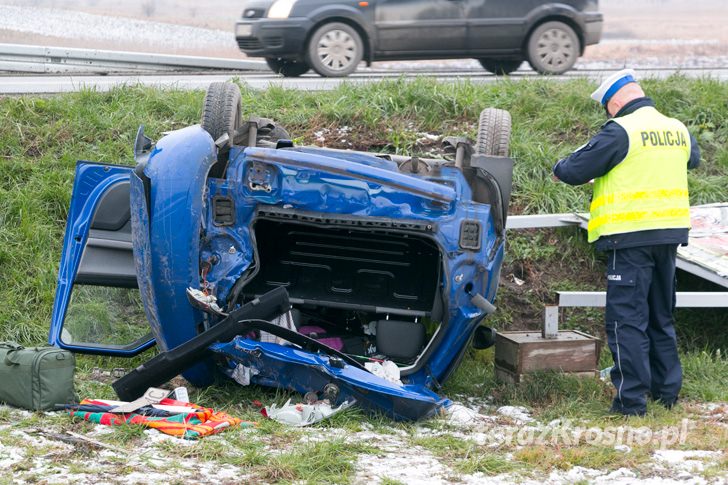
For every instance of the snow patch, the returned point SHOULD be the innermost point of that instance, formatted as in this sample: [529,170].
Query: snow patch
[519,414]
[685,461]
[404,463]
[10,455]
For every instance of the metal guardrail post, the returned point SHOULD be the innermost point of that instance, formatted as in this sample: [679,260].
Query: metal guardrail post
[551,322]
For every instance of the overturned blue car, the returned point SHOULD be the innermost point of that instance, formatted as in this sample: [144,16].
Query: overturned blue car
[239,254]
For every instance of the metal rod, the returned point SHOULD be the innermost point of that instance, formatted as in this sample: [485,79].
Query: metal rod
[685,299]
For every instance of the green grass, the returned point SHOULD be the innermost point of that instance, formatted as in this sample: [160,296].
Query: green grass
[323,462]
[554,395]
[545,458]
[700,369]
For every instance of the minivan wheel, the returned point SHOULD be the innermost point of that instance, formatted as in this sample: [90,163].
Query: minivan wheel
[494,132]
[500,66]
[335,50]
[287,67]
[553,48]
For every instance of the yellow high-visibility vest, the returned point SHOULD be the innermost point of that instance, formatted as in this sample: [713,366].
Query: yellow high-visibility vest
[649,188]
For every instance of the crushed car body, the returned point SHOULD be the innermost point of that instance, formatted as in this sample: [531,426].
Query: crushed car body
[382,258]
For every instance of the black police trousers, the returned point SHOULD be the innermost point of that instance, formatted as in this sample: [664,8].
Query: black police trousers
[639,326]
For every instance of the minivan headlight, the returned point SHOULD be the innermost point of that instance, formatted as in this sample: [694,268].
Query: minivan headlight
[280,9]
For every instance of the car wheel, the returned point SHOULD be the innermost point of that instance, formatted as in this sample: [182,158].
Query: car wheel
[287,67]
[335,50]
[272,134]
[494,132]
[500,66]
[222,109]
[553,48]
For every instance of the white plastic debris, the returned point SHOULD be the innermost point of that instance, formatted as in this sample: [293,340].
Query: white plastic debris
[205,300]
[181,394]
[242,374]
[605,373]
[303,414]
[387,370]
[427,137]
[370,328]
[458,414]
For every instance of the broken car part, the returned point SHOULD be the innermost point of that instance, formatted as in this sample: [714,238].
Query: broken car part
[167,365]
[303,414]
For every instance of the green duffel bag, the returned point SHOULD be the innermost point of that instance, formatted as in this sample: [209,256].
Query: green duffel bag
[36,378]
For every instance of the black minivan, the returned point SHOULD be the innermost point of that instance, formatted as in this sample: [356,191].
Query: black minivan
[333,36]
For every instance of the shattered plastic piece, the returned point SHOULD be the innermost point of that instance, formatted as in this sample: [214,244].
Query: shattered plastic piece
[303,414]
[387,370]
[204,301]
[242,374]
[604,373]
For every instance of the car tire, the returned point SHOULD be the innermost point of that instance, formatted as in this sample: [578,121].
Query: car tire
[222,109]
[553,48]
[494,133]
[335,50]
[273,135]
[500,66]
[287,67]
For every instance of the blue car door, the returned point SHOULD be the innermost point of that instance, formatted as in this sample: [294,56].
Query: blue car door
[97,308]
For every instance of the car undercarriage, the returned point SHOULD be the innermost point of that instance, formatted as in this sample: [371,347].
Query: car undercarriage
[372,258]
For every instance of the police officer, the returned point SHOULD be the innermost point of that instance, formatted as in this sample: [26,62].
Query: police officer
[639,214]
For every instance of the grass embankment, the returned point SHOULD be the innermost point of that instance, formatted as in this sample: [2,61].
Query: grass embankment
[41,139]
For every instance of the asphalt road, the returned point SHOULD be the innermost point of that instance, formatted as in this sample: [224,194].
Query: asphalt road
[50,84]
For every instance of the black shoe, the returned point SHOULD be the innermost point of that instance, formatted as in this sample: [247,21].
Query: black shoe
[615,409]
[667,402]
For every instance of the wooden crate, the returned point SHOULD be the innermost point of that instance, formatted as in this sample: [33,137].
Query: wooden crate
[518,353]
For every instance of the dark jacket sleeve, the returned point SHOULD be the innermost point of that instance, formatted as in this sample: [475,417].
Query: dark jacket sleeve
[603,152]
[694,160]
